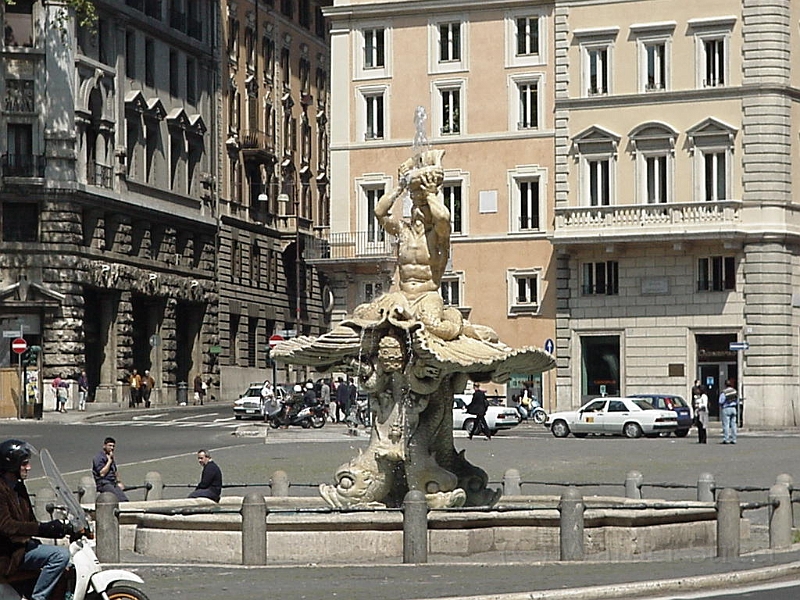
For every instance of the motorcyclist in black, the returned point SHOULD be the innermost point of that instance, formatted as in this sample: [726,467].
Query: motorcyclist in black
[19,549]
[310,396]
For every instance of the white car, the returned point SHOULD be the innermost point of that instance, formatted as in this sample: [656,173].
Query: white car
[497,417]
[631,417]
[249,404]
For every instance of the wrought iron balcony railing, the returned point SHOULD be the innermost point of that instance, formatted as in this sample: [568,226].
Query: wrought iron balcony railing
[351,246]
[23,165]
[99,175]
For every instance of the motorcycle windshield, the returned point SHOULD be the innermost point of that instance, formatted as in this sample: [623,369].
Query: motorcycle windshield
[66,498]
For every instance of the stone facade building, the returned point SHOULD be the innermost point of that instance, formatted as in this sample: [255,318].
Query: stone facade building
[108,256]
[274,178]
[675,214]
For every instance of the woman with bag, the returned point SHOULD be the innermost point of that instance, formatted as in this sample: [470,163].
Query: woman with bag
[700,405]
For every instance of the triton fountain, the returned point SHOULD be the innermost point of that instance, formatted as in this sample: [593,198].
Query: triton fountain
[412,353]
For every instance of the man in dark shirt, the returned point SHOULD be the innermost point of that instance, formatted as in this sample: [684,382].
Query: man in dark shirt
[478,407]
[210,485]
[104,469]
[18,525]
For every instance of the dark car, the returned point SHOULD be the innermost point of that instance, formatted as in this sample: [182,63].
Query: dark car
[673,403]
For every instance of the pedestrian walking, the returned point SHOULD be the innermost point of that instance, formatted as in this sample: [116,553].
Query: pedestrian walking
[478,407]
[60,388]
[104,470]
[210,485]
[134,384]
[148,383]
[729,410]
[342,400]
[83,390]
[325,395]
[199,392]
[700,405]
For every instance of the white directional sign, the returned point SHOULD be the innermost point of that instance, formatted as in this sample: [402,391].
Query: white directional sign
[736,346]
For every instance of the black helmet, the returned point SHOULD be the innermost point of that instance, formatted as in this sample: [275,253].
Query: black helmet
[13,453]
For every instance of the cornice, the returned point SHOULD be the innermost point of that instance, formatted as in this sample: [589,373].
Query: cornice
[422,7]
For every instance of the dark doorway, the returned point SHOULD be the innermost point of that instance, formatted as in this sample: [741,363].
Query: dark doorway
[716,363]
[188,325]
[599,366]
[99,316]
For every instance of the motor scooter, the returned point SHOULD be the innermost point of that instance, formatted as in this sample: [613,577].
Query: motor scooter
[308,416]
[85,578]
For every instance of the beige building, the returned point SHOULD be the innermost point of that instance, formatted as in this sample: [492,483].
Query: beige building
[274,181]
[676,230]
[484,72]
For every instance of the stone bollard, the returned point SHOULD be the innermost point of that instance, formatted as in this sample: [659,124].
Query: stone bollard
[780,517]
[254,529]
[633,485]
[728,516]
[89,488]
[279,483]
[107,524]
[154,485]
[44,496]
[571,508]
[415,528]
[789,481]
[512,483]
[705,487]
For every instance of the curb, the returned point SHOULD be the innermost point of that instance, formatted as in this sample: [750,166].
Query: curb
[647,588]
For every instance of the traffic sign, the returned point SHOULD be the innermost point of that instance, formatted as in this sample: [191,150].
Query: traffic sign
[274,340]
[19,345]
[549,346]
[735,346]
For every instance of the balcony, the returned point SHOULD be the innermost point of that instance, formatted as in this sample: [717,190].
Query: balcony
[255,145]
[637,222]
[99,175]
[350,246]
[23,165]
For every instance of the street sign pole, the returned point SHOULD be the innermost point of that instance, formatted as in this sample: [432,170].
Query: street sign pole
[19,345]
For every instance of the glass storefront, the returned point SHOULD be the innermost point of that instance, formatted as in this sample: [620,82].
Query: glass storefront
[599,366]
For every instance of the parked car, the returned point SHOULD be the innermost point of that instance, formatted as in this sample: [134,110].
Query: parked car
[497,417]
[675,404]
[631,417]
[249,405]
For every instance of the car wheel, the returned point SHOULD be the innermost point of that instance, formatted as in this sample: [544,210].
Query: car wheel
[238,417]
[632,430]
[681,432]
[469,426]
[580,435]
[560,429]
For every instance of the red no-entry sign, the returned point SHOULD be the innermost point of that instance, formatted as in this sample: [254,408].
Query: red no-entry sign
[19,345]
[274,340]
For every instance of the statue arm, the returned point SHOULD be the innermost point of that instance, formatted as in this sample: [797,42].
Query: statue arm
[383,211]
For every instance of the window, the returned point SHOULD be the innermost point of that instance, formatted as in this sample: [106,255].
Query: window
[286,72]
[712,145]
[653,145]
[527,104]
[601,278]
[597,149]
[714,176]
[599,181]
[130,54]
[712,45]
[176,150]
[236,259]
[525,32]
[20,222]
[451,193]
[714,54]
[149,63]
[716,274]
[597,70]
[371,290]
[191,81]
[524,291]
[252,341]
[375,233]
[20,161]
[305,13]
[268,53]
[449,42]
[374,48]
[287,8]
[528,204]
[374,116]
[600,367]
[656,66]
[255,265]
[233,40]
[451,290]
[450,111]
[174,86]
[527,35]
[250,48]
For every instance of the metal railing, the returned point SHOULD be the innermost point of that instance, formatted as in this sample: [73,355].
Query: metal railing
[99,175]
[351,245]
[23,165]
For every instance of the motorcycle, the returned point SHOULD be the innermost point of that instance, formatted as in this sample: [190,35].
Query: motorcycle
[308,416]
[85,578]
